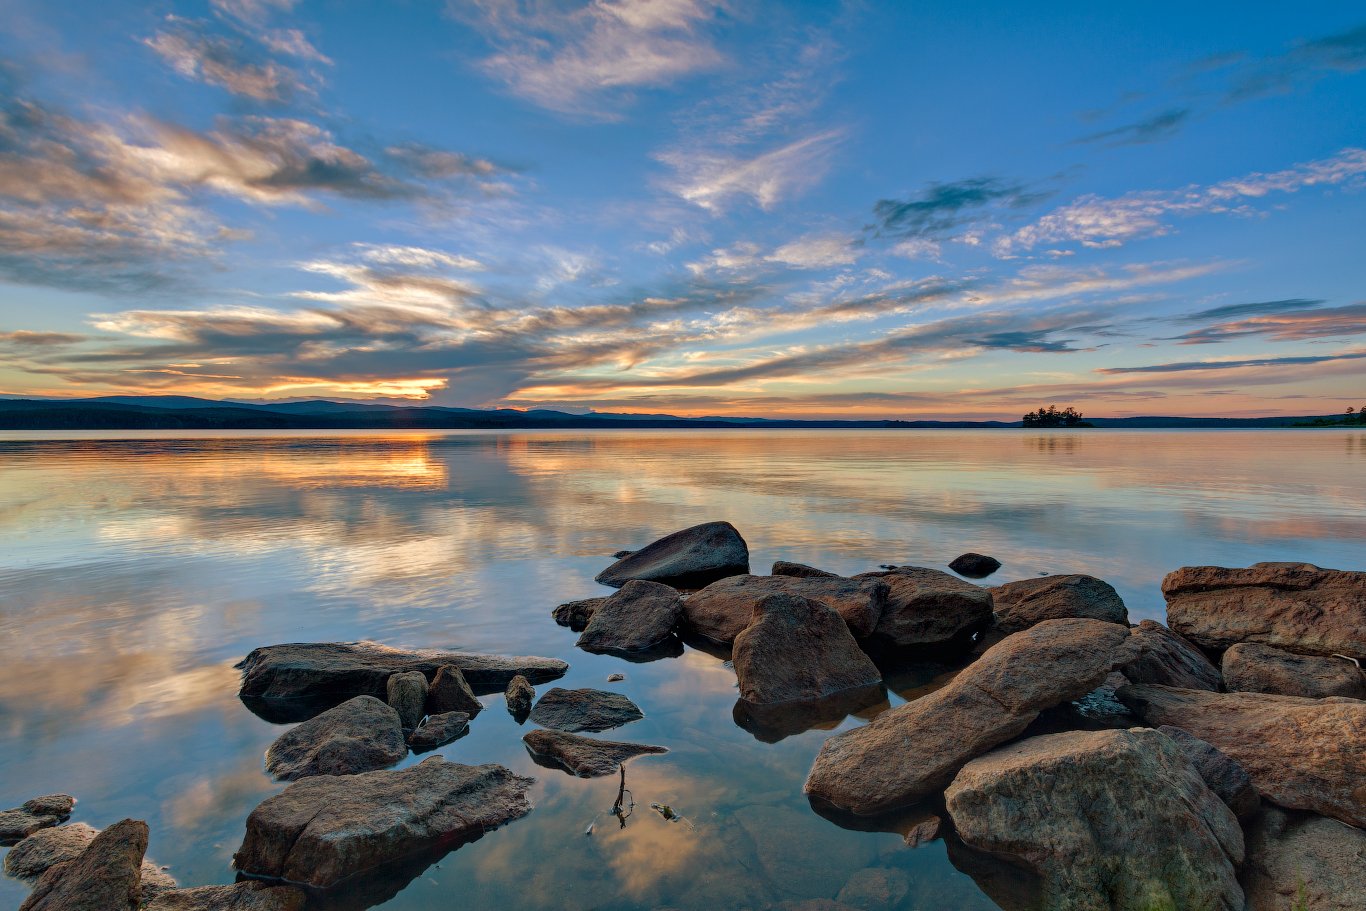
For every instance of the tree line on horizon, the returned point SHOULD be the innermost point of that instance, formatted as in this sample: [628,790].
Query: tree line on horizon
[1052,417]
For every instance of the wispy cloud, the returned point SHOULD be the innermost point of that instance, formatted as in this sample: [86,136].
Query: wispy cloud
[942,208]
[1257,308]
[228,62]
[1286,325]
[714,180]
[1162,125]
[1238,363]
[1306,62]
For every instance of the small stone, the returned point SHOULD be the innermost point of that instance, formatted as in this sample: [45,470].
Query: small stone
[800,571]
[439,730]
[585,757]
[519,697]
[449,692]
[584,710]
[924,831]
[406,693]
[974,566]
[615,678]
[576,614]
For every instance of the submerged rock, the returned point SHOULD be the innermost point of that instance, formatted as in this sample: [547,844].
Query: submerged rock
[723,609]
[106,876]
[321,831]
[584,710]
[406,693]
[799,571]
[797,649]
[974,566]
[439,730]
[1302,861]
[1159,656]
[576,614]
[519,696]
[35,855]
[244,896]
[689,558]
[38,813]
[360,735]
[1108,819]
[1020,605]
[639,617]
[1252,668]
[1293,606]
[914,750]
[875,889]
[1228,780]
[450,692]
[929,610]
[582,756]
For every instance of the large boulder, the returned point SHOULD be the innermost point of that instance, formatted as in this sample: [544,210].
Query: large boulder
[106,876]
[585,757]
[974,565]
[690,558]
[576,614]
[797,649]
[1020,605]
[639,617]
[35,855]
[1107,819]
[360,735]
[1159,656]
[914,750]
[721,610]
[1305,754]
[1228,780]
[584,710]
[244,896]
[1293,606]
[1302,861]
[38,813]
[322,830]
[1252,668]
[451,692]
[929,610]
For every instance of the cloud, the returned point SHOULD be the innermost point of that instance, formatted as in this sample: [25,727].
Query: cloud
[714,180]
[251,12]
[27,339]
[817,251]
[1293,326]
[227,62]
[1186,366]
[1260,308]
[1159,126]
[1306,62]
[942,208]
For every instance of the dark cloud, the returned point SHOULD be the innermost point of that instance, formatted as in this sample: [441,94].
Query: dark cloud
[943,208]
[26,339]
[440,164]
[1259,308]
[1185,366]
[1151,129]
[1284,324]
[243,67]
[1304,63]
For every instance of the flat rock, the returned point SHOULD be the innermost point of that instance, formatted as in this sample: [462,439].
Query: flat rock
[1302,861]
[35,855]
[576,614]
[1252,668]
[799,571]
[106,876]
[582,756]
[929,610]
[721,610]
[38,813]
[360,735]
[439,730]
[1020,605]
[638,617]
[1161,657]
[913,751]
[1293,606]
[244,896]
[798,649]
[519,697]
[1228,780]
[321,831]
[1107,819]
[690,558]
[1305,754]
[584,710]
[974,566]
[451,692]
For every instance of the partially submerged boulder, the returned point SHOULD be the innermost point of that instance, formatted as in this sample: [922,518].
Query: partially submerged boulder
[322,831]
[721,610]
[1107,819]
[1293,606]
[1252,668]
[439,730]
[243,896]
[576,614]
[519,696]
[38,813]
[35,855]
[106,876]
[1228,780]
[1304,754]
[690,558]
[797,649]
[584,710]
[974,566]
[1020,605]
[638,617]
[451,692]
[1302,861]
[406,693]
[1159,656]
[914,750]
[582,756]
[360,735]
[929,610]
[799,571]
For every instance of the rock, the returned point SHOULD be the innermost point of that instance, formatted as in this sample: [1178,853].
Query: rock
[638,617]
[772,722]
[924,831]
[584,710]
[929,610]
[1020,605]
[690,558]
[721,610]
[1293,606]
[519,697]
[975,566]
[1302,861]
[450,692]
[875,889]
[622,553]
[406,693]
[914,750]
[582,756]
[1161,657]
[797,649]
[1108,819]
[615,678]
[439,730]
[799,571]
[1101,707]
[360,735]
[35,814]
[1228,780]
[42,850]
[322,830]
[576,614]
[106,876]
[1252,668]
[244,896]
[1304,754]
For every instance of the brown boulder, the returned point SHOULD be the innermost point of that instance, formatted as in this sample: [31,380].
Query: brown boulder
[360,735]
[450,692]
[639,617]
[35,855]
[582,756]
[38,813]
[245,896]
[406,694]
[929,610]
[974,566]
[1302,861]
[1020,605]
[799,571]
[1160,657]
[689,558]
[1252,668]
[721,610]
[584,710]
[797,649]
[576,614]
[106,876]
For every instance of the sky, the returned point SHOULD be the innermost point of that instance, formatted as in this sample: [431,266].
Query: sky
[696,207]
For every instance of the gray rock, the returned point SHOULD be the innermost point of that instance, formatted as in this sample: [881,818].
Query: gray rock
[929,610]
[406,693]
[106,876]
[321,831]
[799,571]
[639,617]
[1301,861]
[439,730]
[360,735]
[584,710]
[582,756]
[1252,668]
[1156,655]
[975,566]
[576,614]
[450,692]
[875,889]
[38,813]
[690,558]
[35,855]
[1020,605]
[797,649]
[721,610]
[1228,780]
[519,697]
[244,896]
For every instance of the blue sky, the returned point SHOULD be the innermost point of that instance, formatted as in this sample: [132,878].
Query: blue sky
[854,209]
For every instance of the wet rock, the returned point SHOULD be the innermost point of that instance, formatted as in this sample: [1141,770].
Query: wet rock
[622,553]
[584,710]
[360,735]
[582,756]
[797,649]
[1020,605]
[638,617]
[1161,657]
[721,610]
[1228,780]
[35,814]
[924,831]
[244,896]
[1301,861]
[875,889]
[914,750]
[42,850]
[1304,754]
[1102,708]
[439,730]
[974,566]
[615,678]
[1293,606]
[576,614]
[799,571]
[689,558]
[406,693]
[519,696]
[106,876]
[323,830]
[450,692]
[1108,819]
[772,722]
[1252,668]
[929,610]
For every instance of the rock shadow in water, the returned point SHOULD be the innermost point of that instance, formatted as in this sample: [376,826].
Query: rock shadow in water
[774,722]
[669,648]
[1011,887]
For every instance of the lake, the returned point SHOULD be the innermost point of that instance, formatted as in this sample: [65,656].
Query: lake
[135,571]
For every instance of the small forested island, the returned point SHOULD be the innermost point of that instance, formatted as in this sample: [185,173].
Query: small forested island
[1351,417]
[1052,417]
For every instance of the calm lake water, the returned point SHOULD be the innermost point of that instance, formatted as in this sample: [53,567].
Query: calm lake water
[135,572]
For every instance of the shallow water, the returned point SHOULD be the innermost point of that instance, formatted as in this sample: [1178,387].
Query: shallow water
[135,572]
